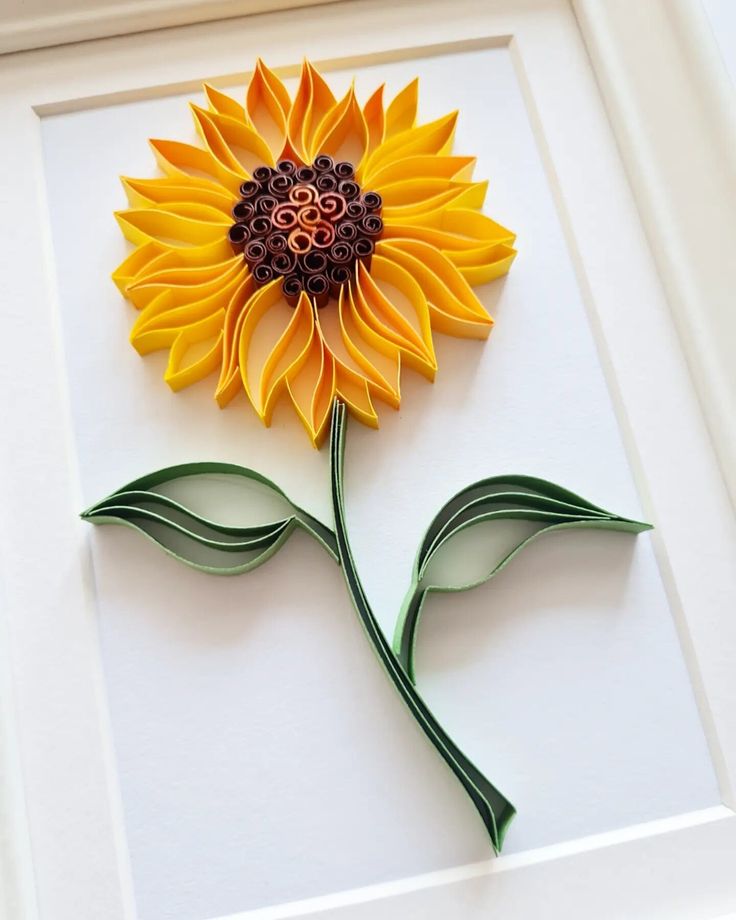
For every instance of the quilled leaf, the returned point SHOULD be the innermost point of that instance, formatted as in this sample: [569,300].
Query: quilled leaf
[498,499]
[206,545]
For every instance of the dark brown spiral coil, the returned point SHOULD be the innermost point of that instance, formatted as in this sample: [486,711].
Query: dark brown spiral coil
[309,225]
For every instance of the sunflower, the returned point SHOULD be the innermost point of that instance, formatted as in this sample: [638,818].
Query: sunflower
[308,247]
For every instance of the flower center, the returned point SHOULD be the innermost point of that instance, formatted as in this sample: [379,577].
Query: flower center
[309,225]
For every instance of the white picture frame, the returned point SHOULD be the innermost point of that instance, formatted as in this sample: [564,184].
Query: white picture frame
[64,853]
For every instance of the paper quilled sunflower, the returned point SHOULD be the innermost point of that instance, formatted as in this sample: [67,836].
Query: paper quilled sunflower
[343,235]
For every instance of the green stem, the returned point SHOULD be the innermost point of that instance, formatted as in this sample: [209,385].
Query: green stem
[495,810]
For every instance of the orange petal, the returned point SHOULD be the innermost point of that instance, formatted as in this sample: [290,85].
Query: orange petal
[313,100]
[268,103]
[223,104]
[375,119]
[236,147]
[345,137]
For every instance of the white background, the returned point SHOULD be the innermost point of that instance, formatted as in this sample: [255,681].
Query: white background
[262,755]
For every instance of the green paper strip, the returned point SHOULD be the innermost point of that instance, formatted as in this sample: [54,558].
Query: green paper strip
[495,810]
[136,505]
[500,498]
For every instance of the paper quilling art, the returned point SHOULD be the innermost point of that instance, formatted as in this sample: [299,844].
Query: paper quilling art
[354,232]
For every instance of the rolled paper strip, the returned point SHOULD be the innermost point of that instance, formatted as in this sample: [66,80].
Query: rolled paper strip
[279,185]
[299,241]
[355,210]
[372,226]
[372,201]
[276,242]
[260,226]
[262,173]
[318,287]
[331,205]
[349,189]
[313,263]
[238,235]
[341,253]
[243,210]
[249,189]
[287,167]
[265,204]
[347,231]
[302,194]
[292,288]
[326,182]
[284,217]
[262,273]
[364,250]
[337,276]
[283,263]
[323,163]
[255,252]
[305,174]
[323,235]
[344,170]
[309,216]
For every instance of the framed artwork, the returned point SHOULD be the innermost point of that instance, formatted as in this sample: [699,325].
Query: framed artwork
[199,748]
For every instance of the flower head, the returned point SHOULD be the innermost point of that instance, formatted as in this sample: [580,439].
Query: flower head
[308,248]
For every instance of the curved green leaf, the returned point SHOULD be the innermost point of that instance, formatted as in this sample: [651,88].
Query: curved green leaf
[500,498]
[186,536]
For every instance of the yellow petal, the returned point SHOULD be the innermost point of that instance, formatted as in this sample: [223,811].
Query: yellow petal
[432,138]
[402,112]
[408,326]
[311,386]
[478,246]
[230,380]
[223,104]
[424,167]
[188,362]
[159,323]
[137,262]
[197,241]
[290,349]
[428,210]
[145,193]
[185,283]
[369,350]
[454,308]
[267,103]
[177,159]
